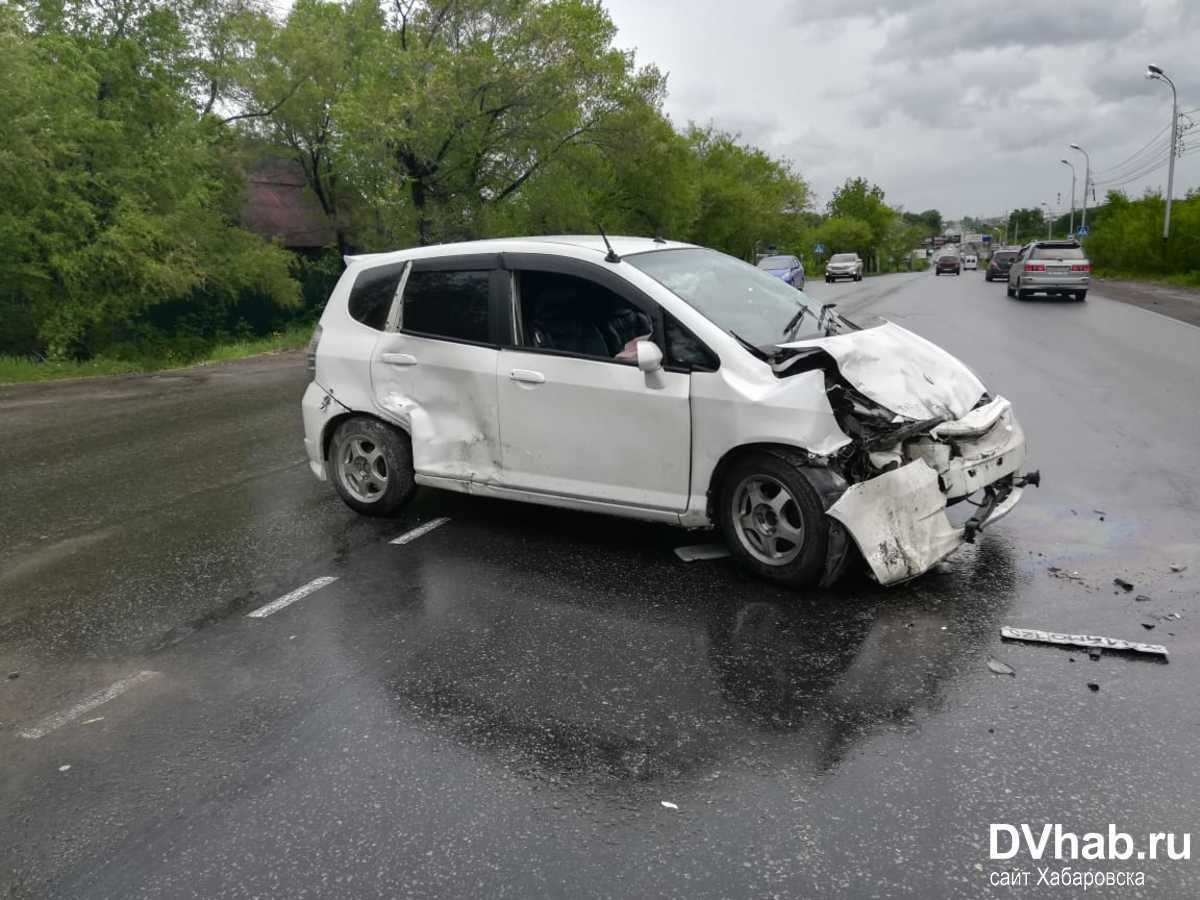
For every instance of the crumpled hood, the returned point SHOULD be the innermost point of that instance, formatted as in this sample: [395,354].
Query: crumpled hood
[902,371]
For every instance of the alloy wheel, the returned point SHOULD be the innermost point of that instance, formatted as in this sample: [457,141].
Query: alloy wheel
[362,468]
[767,520]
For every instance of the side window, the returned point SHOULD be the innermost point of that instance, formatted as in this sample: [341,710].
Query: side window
[686,350]
[569,314]
[452,305]
[372,294]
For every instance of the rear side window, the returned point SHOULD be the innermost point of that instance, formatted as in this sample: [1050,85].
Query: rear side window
[451,305]
[372,294]
[1057,253]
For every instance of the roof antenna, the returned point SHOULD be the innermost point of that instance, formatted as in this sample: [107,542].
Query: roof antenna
[659,239]
[611,256]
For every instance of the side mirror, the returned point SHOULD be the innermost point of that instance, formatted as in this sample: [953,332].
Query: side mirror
[649,357]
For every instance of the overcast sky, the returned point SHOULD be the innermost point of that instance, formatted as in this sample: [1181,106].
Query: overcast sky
[962,107]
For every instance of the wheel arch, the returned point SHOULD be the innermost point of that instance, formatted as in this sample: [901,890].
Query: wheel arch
[332,425]
[828,484]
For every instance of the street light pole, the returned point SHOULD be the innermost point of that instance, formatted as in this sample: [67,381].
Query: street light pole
[1158,74]
[1087,179]
[1049,221]
[1072,168]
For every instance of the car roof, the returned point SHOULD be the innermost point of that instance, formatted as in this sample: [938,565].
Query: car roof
[624,245]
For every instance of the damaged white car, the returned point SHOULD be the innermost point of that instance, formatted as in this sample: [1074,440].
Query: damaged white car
[660,381]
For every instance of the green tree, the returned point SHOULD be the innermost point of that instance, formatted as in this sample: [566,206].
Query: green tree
[859,200]
[118,196]
[746,196]
[844,234]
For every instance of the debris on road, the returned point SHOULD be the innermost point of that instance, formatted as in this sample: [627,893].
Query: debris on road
[64,768]
[1092,642]
[1123,584]
[1176,568]
[696,552]
[92,721]
[999,668]
[1099,512]
[13,675]
[668,804]
[1149,626]
[1056,572]
[1141,598]
[1093,687]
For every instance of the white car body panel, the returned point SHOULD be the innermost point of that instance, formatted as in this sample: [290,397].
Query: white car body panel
[443,394]
[594,429]
[600,436]
[902,371]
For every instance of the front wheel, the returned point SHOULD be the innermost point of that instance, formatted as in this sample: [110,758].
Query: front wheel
[772,520]
[371,466]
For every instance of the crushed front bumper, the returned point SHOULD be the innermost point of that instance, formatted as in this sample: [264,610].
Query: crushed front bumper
[898,518]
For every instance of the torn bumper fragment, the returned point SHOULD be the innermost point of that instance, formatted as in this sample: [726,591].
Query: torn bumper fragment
[898,519]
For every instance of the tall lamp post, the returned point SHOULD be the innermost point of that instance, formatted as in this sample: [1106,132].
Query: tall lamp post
[1087,178]
[1157,74]
[1067,163]
[1049,221]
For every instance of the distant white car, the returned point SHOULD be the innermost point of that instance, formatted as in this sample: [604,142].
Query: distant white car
[844,265]
[970,261]
[658,381]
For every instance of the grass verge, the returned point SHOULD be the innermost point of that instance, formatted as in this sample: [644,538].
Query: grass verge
[1183,279]
[17,370]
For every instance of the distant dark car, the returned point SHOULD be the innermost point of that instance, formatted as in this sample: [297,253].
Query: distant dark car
[786,268]
[948,262]
[1001,262]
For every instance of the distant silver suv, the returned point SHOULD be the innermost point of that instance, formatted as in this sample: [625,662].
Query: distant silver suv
[844,265]
[1050,267]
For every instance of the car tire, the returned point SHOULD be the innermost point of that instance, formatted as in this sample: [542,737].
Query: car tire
[371,466]
[1023,295]
[1081,296]
[1008,289]
[936,272]
[750,511]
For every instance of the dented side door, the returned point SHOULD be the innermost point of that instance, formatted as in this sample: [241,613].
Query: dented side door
[433,371]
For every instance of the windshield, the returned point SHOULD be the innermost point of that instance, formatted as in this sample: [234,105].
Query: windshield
[843,257]
[1057,253]
[732,294]
[777,262]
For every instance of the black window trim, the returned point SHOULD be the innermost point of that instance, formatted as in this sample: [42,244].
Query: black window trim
[606,278]
[473,262]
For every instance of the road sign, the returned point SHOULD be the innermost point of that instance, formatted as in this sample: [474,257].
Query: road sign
[818,249]
[987,238]
[1082,231]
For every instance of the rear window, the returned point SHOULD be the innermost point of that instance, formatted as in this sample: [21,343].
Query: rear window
[777,262]
[372,294]
[1057,253]
[1004,256]
[451,305]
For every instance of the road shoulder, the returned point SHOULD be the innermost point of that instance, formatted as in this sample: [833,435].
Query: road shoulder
[1165,299]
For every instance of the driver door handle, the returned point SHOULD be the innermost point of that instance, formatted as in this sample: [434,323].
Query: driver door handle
[527,376]
[398,359]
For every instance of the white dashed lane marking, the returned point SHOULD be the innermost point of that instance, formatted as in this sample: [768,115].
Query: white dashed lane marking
[419,531]
[58,720]
[288,599]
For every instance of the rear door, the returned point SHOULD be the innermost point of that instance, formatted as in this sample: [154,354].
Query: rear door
[433,369]
[576,421]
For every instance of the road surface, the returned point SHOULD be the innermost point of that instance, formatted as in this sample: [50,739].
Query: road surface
[506,705]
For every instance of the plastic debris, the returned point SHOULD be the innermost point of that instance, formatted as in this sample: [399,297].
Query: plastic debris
[994,665]
[668,804]
[1149,626]
[1099,512]
[1123,584]
[1093,687]
[1178,568]
[1141,598]
[697,552]
[13,675]
[64,768]
[1093,642]
[92,721]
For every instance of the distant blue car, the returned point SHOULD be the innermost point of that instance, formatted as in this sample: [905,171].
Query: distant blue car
[785,268]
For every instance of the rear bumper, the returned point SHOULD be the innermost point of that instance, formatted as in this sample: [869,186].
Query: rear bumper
[1055,282]
[315,408]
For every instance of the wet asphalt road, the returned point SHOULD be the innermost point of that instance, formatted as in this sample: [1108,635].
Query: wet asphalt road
[501,707]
